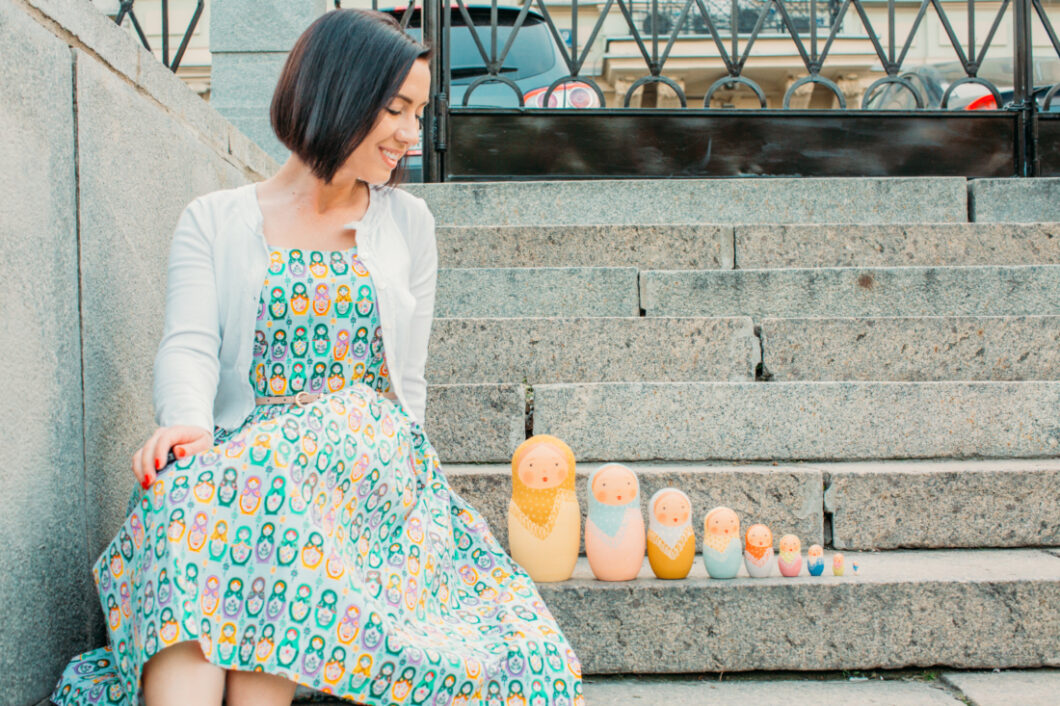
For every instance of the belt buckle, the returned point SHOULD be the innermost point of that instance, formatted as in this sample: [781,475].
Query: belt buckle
[303,398]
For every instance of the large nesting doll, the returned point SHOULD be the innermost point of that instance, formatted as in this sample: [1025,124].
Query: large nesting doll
[758,551]
[544,523]
[722,550]
[614,529]
[671,541]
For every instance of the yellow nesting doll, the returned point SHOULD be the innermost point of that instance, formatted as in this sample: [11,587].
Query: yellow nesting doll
[544,523]
[671,541]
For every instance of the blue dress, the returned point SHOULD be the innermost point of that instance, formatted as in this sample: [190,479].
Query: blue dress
[322,542]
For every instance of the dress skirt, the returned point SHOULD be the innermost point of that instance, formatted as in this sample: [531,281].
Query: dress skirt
[322,543]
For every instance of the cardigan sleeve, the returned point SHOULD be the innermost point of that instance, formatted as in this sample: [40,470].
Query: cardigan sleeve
[187,364]
[423,277]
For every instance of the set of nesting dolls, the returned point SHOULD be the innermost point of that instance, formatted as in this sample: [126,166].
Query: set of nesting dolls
[544,526]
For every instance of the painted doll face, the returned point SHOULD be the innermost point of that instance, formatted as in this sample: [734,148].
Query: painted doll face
[759,536]
[672,509]
[790,544]
[614,485]
[544,466]
[837,561]
[723,521]
[815,551]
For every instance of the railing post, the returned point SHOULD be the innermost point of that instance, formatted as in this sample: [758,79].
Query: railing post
[1023,93]
[434,124]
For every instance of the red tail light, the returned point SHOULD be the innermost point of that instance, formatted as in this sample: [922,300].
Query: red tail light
[986,102]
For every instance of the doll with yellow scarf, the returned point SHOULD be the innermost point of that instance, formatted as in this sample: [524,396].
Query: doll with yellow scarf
[544,522]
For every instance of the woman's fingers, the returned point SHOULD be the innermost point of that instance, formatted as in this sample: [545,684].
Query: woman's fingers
[194,445]
[137,467]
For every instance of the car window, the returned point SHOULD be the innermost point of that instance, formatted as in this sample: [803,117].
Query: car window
[533,52]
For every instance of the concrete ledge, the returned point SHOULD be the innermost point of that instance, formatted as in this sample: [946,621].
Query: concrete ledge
[1038,687]
[913,348]
[475,423]
[85,28]
[1034,200]
[646,201]
[965,609]
[694,247]
[854,291]
[542,350]
[789,421]
[537,291]
[766,690]
[943,504]
[787,498]
[926,244]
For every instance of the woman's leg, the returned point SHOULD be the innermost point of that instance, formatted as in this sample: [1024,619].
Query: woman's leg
[258,689]
[180,675]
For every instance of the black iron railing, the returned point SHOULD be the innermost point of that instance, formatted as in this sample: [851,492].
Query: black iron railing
[126,10]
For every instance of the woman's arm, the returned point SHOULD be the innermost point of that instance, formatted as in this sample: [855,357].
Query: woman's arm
[423,278]
[187,364]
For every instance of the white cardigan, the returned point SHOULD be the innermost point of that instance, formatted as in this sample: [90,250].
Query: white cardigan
[217,265]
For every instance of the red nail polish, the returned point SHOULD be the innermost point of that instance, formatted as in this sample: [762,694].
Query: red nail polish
[181,453]
[145,483]
[158,464]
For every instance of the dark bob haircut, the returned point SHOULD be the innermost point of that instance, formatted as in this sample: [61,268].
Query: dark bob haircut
[343,70]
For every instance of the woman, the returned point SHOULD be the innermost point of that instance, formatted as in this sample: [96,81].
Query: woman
[305,532]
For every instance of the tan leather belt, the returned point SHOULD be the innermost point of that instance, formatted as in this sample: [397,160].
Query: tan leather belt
[301,399]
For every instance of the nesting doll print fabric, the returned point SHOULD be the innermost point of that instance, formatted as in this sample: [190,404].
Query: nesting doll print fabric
[322,542]
[544,523]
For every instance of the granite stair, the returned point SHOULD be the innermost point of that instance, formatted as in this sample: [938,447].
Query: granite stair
[871,364]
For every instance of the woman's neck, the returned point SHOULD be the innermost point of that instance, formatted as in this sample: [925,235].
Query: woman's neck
[344,196]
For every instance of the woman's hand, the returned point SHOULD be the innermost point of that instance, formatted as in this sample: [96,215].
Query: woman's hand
[150,457]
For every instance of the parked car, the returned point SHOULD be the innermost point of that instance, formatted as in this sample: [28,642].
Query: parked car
[932,80]
[533,64]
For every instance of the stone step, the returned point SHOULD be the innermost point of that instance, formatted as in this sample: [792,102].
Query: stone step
[919,244]
[830,689]
[912,348]
[927,504]
[540,350]
[854,291]
[1011,200]
[787,498]
[537,291]
[722,201]
[956,608]
[663,246]
[871,506]
[476,423]
[830,421]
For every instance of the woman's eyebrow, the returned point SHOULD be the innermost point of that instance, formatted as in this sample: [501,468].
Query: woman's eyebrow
[407,99]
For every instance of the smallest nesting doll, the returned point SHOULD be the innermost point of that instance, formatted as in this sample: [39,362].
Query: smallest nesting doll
[721,543]
[815,560]
[614,527]
[837,564]
[671,541]
[790,559]
[758,551]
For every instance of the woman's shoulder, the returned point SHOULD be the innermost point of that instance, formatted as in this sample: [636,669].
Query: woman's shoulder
[222,210]
[409,212]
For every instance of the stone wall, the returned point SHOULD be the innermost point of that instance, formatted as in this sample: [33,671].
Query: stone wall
[102,147]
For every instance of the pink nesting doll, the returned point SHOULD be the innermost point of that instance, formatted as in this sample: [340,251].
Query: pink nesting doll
[544,522]
[837,564]
[758,551]
[790,560]
[614,528]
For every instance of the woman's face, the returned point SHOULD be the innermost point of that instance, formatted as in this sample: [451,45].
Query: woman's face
[396,130]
